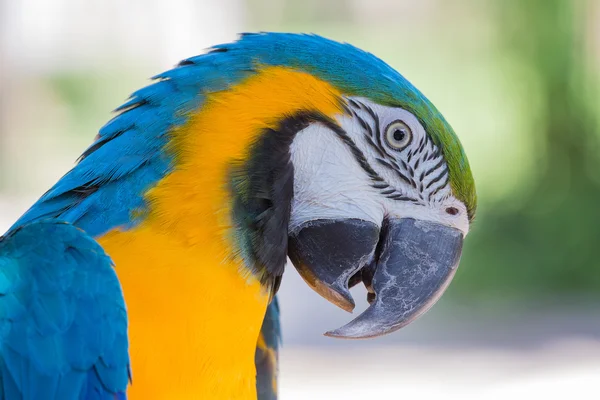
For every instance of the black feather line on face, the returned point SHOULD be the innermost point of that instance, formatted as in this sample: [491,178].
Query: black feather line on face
[375,147]
[262,189]
[439,176]
[422,144]
[385,158]
[416,166]
[365,126]
[442,185]
[377,181]
[381,185]
[407,171]
[377,129]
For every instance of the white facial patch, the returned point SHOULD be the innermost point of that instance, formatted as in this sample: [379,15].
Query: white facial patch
[328,182]
[384,165]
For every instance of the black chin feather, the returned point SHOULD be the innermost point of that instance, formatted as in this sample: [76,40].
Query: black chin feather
[262,189]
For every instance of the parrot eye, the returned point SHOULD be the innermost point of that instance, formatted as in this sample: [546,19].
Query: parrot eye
[398,135]
[452,210]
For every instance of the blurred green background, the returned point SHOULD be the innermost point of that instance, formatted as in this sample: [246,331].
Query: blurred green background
[519,80]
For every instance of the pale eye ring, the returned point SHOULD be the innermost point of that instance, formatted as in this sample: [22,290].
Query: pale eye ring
[398,135]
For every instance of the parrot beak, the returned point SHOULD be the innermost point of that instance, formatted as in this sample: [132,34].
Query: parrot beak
[406,266]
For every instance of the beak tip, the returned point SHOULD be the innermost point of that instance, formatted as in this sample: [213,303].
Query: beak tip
[339,334]
[345,304]
[358,329]
[336,335]
[342,297]
[336,294]
[352,330]
[349,307]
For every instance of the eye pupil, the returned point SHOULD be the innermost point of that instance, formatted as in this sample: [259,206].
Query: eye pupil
[399,135]
[452,210]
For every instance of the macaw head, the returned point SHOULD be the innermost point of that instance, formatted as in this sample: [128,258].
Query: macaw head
[295,145]
[355,176]
[374,201]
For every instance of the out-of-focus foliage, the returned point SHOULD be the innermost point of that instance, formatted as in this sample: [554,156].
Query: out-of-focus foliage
[543,239]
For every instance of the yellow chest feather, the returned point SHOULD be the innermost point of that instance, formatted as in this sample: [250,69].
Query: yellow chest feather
[193,319]
[194,310]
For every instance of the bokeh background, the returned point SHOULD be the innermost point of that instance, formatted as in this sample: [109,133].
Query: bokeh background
[518,79]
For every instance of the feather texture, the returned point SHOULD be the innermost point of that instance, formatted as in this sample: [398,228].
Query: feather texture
[63,324]
[267,351]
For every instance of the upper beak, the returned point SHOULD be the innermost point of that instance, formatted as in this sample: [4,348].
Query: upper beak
[406,266]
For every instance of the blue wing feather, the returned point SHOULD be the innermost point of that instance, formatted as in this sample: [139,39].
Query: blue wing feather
[267,354]
[63,323]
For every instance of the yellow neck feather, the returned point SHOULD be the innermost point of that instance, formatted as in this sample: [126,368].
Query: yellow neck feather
[194,310]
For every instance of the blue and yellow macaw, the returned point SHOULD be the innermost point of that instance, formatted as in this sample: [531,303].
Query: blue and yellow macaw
[198,190]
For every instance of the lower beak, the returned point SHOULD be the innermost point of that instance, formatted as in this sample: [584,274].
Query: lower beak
[406,267]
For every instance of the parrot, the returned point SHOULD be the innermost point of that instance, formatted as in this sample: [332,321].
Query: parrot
[150,269]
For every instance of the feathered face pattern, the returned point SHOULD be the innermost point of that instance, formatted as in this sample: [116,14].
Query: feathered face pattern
[391,155]
[373,203]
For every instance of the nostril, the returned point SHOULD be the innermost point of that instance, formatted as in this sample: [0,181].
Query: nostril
[452,210]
